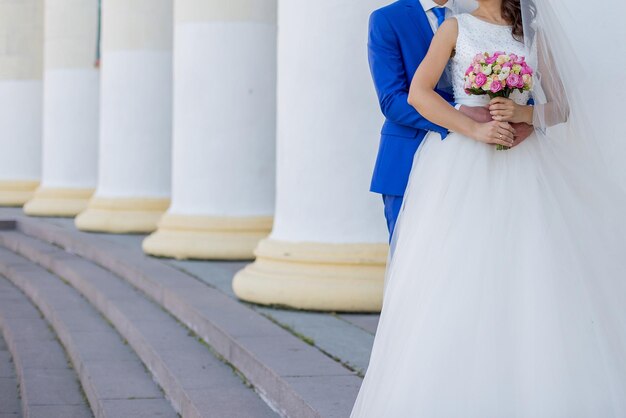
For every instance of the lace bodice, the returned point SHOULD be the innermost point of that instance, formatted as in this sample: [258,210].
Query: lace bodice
[477,36]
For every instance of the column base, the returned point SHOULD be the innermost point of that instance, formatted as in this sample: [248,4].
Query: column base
[62,202]
[16,192]
[207,237]
[121,215]
[313,276]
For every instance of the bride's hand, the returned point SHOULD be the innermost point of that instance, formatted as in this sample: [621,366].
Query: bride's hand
[495,132]
[506,110]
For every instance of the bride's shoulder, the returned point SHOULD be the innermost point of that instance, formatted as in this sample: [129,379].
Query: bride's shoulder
[448,31]
[461,21]
[461,17]
[450,25]
[457,20]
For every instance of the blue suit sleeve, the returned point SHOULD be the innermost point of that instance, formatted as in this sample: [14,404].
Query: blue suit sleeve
[390,78]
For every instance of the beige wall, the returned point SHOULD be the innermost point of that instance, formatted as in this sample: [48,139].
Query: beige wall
[137,24]
[71,33]
[21,39]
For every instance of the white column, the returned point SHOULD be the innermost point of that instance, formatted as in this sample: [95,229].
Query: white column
[224,130]
[135,118]
[70,119]
[328,248]
[21,57]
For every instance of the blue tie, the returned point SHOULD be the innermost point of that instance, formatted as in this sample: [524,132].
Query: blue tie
[440,12]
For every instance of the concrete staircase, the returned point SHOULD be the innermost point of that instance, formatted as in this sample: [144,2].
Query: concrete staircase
[48,384]
[146,339]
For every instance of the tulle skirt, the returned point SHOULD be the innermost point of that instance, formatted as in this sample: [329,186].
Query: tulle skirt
[505,294]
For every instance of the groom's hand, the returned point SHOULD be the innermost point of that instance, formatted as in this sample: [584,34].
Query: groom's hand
[522,131]
[480,114]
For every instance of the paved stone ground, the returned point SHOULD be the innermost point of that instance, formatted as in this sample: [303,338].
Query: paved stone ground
[346,337]
[48,384]
[9,392]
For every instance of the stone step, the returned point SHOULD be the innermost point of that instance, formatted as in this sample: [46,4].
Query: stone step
[9,390]
[297,379]
[346,337]
[196,382]
[114,380]
[48,384]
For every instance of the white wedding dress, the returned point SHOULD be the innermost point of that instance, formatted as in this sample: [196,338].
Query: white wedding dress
[505,296]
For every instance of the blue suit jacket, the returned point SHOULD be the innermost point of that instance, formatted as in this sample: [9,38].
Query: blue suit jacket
[399,37]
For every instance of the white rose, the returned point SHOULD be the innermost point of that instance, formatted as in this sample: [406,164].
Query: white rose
[487,69]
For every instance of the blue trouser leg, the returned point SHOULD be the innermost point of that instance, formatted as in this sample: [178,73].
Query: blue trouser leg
[392,210]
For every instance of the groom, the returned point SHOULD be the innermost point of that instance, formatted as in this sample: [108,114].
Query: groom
[399,37]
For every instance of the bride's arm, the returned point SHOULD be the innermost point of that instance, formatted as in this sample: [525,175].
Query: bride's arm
[433,107]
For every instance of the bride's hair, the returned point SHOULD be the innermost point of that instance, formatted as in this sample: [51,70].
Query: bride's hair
[512,13]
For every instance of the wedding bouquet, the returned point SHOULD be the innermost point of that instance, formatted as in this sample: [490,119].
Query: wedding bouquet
[498,75]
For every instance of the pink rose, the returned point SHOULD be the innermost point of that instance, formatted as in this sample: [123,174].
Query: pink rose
[496,86]
[513,80]
[520,60]
[521,83]
[478,58]
[491,60]
[469,70]
[526,70]
[481,79]
[498,53]
[507,65]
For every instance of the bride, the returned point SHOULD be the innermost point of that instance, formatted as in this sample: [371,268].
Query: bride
[505,294]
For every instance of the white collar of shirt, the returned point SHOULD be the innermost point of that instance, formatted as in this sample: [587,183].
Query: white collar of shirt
[430,4]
